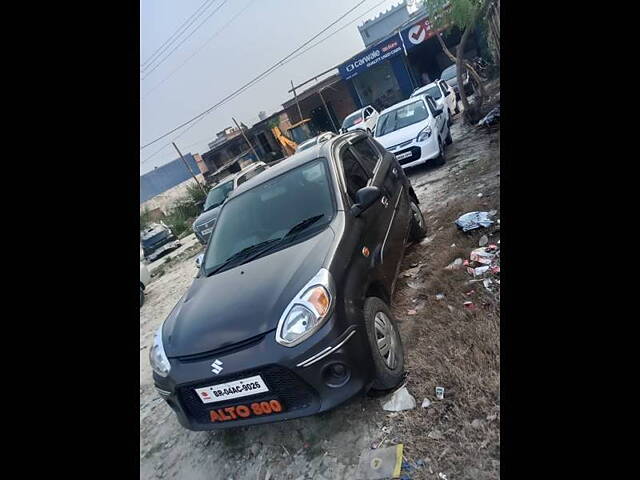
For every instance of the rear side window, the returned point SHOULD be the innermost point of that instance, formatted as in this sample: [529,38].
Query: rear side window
[367,153]
[250,175]
[432,105]
[355,176]
[444,86]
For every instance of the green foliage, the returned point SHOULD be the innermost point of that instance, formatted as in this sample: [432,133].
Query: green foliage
[461,13]
[182,215]
[145,218]
[196,194]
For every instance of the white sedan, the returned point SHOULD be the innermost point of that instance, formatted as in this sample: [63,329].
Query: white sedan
[415,130]
[442,93]
[145,278]
[363,119]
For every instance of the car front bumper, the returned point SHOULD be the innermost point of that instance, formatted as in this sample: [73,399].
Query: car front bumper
[298,377]
[163,250]
[420,152]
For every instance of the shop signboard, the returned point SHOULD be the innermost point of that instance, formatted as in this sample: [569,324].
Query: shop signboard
[418,33]
[371,57]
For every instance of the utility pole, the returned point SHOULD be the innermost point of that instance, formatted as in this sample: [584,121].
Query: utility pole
[327,110]
[189,168]
[247,140]
[296,96]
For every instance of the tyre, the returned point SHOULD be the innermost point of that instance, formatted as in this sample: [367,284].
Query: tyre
[417,229]
[457,110]
[440,158]
[448,140]
[141,297]
[386,345]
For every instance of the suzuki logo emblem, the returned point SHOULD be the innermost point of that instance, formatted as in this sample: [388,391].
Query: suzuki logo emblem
[216,367]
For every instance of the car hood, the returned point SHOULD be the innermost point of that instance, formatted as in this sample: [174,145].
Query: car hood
[242,302]
[404,134]
[208,215]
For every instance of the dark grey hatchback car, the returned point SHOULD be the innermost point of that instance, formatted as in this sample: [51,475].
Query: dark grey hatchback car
[289,313]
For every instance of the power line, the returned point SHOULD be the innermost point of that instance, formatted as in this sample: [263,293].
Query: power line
[200,49]
[178,32]
[185,39]
[255,79]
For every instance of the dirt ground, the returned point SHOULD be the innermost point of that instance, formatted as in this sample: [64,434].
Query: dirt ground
[446,344]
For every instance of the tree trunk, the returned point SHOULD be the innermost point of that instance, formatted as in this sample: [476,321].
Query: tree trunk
[469,114]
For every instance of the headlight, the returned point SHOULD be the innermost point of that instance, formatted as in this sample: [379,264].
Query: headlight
[307,311]
[159,361]
[424,134]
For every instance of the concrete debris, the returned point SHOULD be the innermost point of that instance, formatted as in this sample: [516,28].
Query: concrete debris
[483,240]
[411,312]
[400,400]
[428,239]
[426,403]
[435,435]
[477,423]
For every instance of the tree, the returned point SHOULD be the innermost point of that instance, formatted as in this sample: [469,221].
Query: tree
[466,15]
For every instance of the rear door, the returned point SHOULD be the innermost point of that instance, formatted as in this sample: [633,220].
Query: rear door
[449,95]
[386,175]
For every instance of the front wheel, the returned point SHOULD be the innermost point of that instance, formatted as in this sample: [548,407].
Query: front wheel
[417,229]
[440,158]
[386,345]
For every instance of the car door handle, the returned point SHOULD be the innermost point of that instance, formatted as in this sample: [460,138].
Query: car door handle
[394,171]
[385,201]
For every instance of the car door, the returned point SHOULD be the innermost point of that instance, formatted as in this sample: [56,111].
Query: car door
[439,120]
[386,175]
[370,227]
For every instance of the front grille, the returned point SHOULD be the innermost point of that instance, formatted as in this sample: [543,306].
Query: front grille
[415,155]
[284,385]
[400,145]
[250,342]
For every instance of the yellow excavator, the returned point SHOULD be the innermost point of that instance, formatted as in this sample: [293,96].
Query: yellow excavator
[299,132]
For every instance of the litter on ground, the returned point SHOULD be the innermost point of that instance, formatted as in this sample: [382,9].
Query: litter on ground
[473,220]
[380,464]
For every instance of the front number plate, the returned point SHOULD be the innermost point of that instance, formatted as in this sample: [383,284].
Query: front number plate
[403,155]
[236,389]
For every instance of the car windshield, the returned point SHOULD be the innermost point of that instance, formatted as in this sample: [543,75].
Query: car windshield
[218,195]
[352,119]
[266,213]
[449,73]
[401,117]
[433,92]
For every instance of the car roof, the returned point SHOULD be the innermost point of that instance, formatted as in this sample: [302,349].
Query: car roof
[299,158]
[417,91]
[402,103]
[450,67]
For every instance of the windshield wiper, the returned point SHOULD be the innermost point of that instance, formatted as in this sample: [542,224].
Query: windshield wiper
[242,254]
[254,251]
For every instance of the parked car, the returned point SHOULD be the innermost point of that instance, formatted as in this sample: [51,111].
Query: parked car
[449,75]
[363,119]
[323,137]
[289,313]
[443,95]
[415,130]
[145,278]
[158,240]
[205,223]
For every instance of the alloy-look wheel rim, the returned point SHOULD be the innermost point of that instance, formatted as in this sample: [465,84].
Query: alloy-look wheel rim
[386,340]
[417,214]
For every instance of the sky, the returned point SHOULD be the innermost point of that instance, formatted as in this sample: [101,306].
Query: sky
[222,55]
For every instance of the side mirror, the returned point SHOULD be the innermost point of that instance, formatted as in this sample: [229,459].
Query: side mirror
[365,197]
[199,260]
[437,112]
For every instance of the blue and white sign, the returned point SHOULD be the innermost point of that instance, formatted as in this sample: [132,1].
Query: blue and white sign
[371,57]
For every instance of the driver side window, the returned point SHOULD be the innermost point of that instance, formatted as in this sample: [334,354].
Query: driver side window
[355,175]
